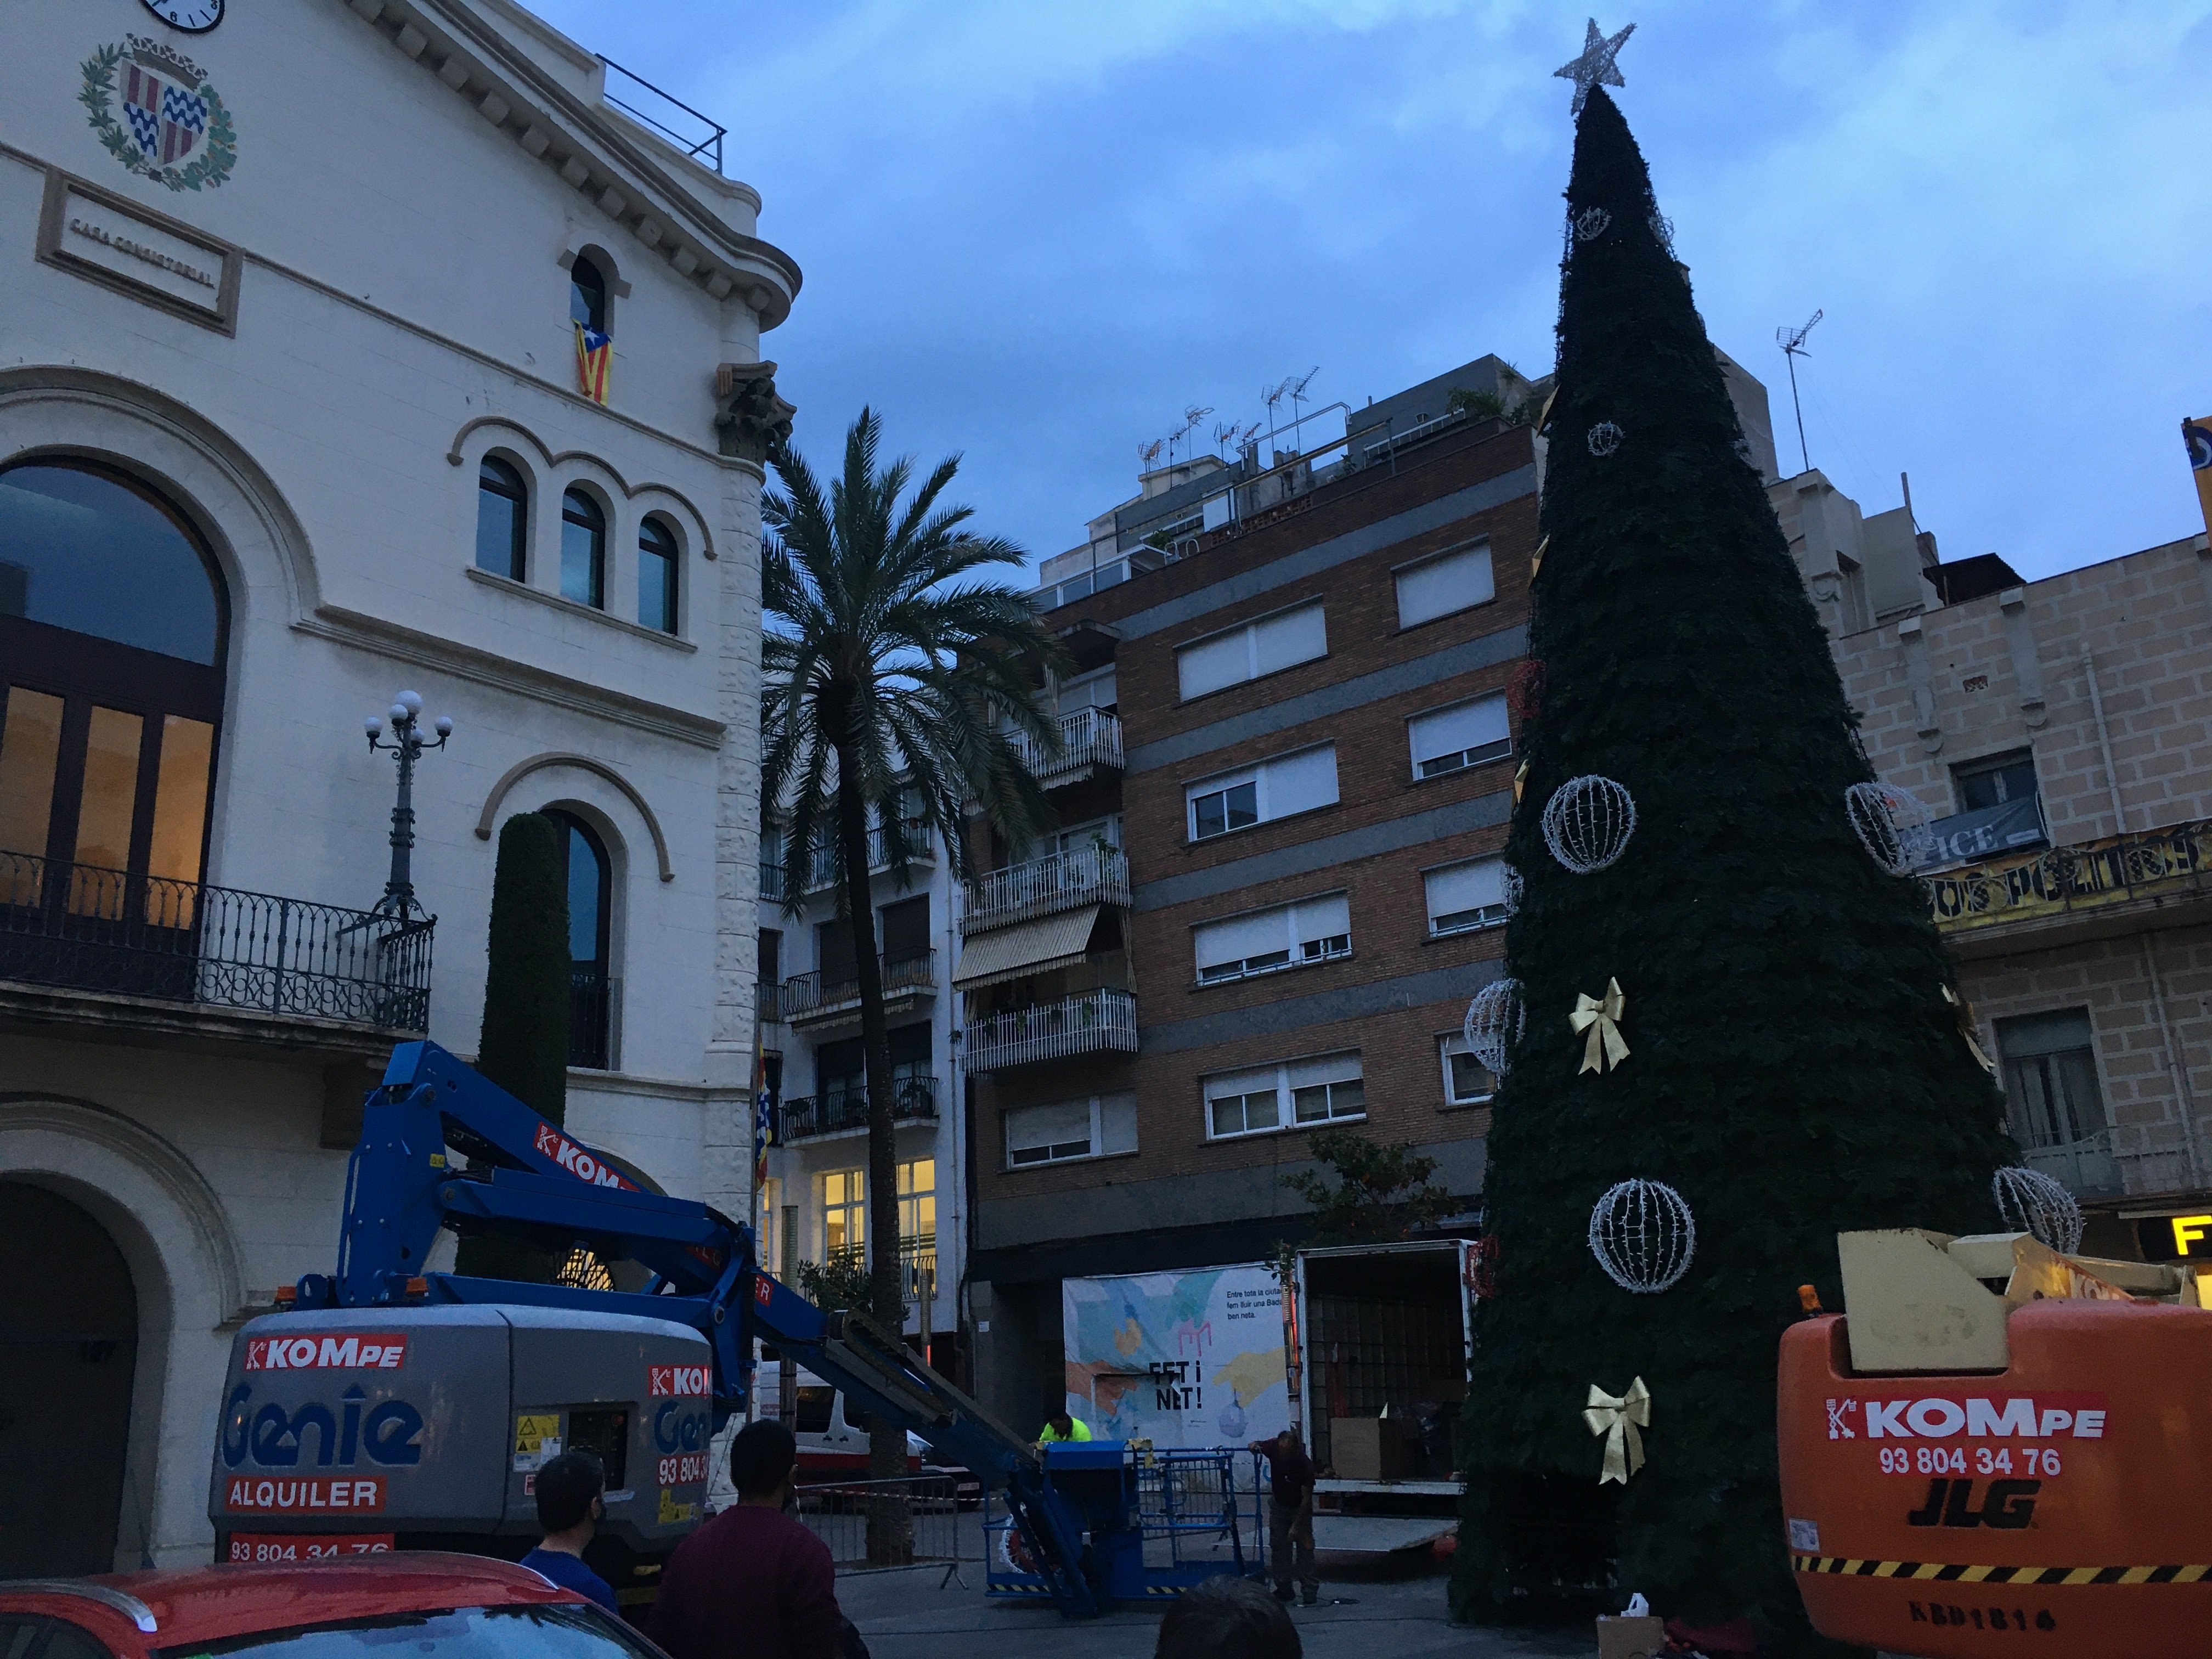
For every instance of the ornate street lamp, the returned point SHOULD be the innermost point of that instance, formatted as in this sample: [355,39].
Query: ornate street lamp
[407,746]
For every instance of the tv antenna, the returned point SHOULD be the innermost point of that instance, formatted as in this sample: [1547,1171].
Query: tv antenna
[1148,455]
[1192,415]
[1298,393]
[1273,397]
[1792,341]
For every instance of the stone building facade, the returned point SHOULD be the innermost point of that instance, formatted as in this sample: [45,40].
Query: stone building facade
[2072,715]
[292,417]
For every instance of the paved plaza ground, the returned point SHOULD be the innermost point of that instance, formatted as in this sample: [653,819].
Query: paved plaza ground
[1387,1611]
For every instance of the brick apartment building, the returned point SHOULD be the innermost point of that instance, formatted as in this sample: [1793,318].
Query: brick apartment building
[2060,732]
[1290,772]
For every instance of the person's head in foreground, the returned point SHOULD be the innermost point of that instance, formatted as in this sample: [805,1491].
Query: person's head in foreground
[1227,1618]
[570,1490]
[761,1458]
[1062,1423]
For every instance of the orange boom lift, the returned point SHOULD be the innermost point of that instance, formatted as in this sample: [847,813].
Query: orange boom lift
[1998,1451]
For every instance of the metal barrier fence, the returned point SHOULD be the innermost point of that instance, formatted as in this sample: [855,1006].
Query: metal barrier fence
[919,1520]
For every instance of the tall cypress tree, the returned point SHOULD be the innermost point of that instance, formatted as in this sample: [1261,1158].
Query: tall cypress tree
[522,1045]
[1794,1066]
[523,1042]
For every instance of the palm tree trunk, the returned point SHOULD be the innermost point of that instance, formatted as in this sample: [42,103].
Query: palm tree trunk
[890,1523]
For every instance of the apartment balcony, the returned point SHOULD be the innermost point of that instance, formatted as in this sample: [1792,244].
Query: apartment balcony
[84,945]
[913,832]
[771,882]
[1098,1021]
[768,1003]
[2088,1169]
[2059,894]
[810,1004]
[1097,874]
[845,1110]
[1090,742]
[917,1266]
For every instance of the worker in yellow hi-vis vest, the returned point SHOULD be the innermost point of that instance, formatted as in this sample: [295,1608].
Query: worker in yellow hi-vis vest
[1061,1427]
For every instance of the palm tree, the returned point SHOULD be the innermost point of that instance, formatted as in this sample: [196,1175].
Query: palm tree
[892,686]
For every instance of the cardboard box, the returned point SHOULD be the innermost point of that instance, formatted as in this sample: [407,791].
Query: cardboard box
[1369,1449]
[1630,1638]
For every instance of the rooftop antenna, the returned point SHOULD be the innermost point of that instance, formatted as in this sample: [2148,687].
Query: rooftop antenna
[1224,433]
[1192,415]
[1148,455]
[1792,341]
[1271,396]
[1297,390]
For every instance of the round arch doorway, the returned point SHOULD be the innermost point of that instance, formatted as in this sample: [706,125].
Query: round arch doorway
[69,1344]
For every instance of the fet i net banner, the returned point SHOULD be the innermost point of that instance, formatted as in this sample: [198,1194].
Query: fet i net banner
[1183,1359]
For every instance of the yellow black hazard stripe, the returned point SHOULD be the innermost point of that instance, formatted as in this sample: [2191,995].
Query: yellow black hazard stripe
[1943,1573]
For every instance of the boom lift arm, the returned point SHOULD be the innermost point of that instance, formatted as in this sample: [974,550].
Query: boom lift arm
[529,1180]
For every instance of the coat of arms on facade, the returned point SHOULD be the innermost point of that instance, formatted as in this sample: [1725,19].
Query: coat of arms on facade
[156,114]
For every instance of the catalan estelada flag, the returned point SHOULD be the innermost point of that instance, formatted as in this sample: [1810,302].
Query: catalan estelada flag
[595,355]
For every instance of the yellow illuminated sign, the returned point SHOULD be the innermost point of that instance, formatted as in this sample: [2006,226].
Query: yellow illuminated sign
[2189,1230]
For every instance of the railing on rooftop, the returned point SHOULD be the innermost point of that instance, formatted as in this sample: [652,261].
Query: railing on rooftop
[1088,738]
[2060,881]
[78,927]
[807,997]
[1087,1022]
[700,137]
[845,1106]
[1097,874]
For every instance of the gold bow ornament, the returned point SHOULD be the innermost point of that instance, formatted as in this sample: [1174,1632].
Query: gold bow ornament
[1965,1011]
[1620,1418]
[1603,1021]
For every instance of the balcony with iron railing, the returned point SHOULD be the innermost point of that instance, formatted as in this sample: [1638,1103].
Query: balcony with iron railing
[1090,740]
[78,927]
[771,881]
[808,1000]
[2057,890]
[1090,1022]
[841,1109]
[913,832]
[917,1266]
[594,996]
[1097,874]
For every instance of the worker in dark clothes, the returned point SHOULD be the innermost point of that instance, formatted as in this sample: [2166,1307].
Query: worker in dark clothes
[752,1583]
[1289,1514]
[571,1500]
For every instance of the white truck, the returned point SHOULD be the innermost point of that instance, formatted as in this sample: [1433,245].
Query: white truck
[1385,1336]
[1366,1352]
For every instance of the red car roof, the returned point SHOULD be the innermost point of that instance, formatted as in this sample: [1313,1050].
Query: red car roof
[207,1604]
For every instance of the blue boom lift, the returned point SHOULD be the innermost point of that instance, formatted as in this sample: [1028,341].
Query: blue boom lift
[527,1180]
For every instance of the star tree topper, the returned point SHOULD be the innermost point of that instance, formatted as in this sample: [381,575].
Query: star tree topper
[1594,68]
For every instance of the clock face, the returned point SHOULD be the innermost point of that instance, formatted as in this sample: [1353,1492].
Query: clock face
[193,16]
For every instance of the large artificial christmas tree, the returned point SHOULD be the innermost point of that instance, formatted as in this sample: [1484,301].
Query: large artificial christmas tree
[1718,989]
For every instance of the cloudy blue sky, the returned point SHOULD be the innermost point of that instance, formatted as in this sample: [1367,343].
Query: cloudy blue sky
[1037,230]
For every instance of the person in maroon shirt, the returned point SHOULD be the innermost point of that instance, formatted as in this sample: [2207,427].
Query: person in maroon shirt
[752,1583]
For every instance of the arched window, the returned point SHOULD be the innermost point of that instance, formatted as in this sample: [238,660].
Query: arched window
[502,518]
[587,294]
[656,575]
[112,623]
[591,909]
[583,549]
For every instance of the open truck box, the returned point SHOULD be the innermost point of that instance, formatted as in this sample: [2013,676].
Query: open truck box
[1385,1342]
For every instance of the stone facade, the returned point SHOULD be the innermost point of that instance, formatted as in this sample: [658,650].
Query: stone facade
[2102,679]
[388,259]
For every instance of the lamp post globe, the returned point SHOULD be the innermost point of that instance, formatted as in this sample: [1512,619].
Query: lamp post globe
[407,746]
